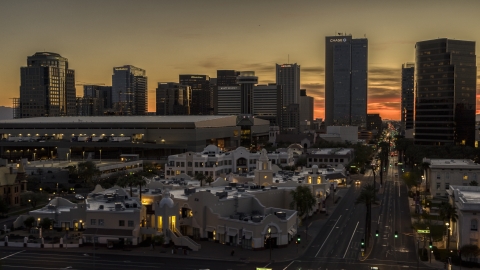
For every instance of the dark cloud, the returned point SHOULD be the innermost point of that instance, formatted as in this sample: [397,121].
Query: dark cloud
[315,70]
[385,71]
[211,62]
[259,67]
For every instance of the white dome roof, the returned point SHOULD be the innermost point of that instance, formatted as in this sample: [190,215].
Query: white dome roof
[314,166]
[166,201]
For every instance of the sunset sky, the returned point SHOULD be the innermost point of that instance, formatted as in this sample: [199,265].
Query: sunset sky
[168,38]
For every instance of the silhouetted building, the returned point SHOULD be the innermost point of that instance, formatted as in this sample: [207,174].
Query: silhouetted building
[47,87]
[173,99]
[290,119]
[267,103]
[129,90]
[227,77]
[346,75]
[99,91]
[288,76]
[89,106]
[306,109]
[374,122]
[445,92]
[246,80]
[202,94]
[408,104]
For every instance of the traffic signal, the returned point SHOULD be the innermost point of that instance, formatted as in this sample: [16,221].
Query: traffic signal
[363,243]
[376,233]
[298,238]
[430,244]
[396,234]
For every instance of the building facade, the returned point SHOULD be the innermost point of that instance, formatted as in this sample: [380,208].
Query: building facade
[173,99]
[306,110]
[288,76]
[47,87]
[332,157]
[442,173]
[99,91]
[374,122]
[212,161]
[445,92]
[408,104]
[246,80]
[227,77]
[346,79]
[202,93]
[129,91]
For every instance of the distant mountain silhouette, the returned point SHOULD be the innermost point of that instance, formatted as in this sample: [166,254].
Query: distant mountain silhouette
[6,113]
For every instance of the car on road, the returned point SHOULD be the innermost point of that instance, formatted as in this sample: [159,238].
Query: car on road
[79,197]
[357,182]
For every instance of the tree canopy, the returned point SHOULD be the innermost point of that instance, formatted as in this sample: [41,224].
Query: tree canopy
[303,199]
[88,172]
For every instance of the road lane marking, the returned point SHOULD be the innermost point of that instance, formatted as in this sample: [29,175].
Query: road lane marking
[288,265]
[328,235]
[350,239]
[11,255]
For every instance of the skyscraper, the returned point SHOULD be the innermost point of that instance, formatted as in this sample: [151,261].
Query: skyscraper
[202,93]
[408,75]
[227,77]
[173,99]
[246,80]
[288,76]
[346,75]
[99,91]
[129,90]
[445,90]
[47,87]
[306,109]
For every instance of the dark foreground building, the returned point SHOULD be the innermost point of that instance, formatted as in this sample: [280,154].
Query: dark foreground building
[445,90]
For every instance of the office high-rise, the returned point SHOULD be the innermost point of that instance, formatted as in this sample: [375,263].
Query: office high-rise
[247,80]
[346,78]
[306,106]
[288,77]
[129,90]
[267,103]
[47,87]
[407,104]
[173,99]
[445,92]
[99,91]
[202,93]
[227,77]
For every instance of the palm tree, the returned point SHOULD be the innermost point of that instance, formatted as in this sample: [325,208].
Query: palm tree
[126,181]
[200,177]
[209,180]
[139,180]
[448,213]
[367,197]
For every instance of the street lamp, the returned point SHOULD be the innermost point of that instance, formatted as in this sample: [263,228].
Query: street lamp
[100,155]
[448,234]
[83,154]
[270,241]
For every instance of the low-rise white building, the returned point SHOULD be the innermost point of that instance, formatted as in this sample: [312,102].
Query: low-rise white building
[466,200]
[212,161]
[333,157]
[442,173]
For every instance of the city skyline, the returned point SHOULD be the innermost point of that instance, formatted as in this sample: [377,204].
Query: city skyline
[213,35]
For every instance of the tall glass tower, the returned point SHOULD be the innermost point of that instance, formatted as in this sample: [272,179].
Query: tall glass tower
[47,87]
[445,90]
[129,90]
[407,104]
[288,77]
[346,78]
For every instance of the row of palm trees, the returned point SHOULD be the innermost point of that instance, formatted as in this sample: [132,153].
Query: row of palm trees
[367,197]
[134,180]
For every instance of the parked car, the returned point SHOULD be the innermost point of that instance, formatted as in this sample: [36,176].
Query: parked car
[357,182]
[79,197]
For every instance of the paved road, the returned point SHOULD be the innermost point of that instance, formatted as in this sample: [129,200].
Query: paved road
[49,259]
